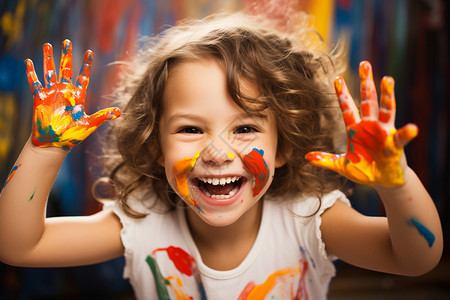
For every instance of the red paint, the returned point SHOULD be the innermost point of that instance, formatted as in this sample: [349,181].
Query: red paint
[180,258]
[255,163]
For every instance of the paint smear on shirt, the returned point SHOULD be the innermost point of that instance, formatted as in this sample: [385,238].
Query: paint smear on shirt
[255,163]
[254,292]
[180,258]
[185,264]
[181,170]
[425,232]
[160,281]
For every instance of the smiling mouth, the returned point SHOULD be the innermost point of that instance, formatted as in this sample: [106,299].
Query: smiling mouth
[219,188]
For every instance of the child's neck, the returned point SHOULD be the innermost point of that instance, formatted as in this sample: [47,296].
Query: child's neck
[224,248]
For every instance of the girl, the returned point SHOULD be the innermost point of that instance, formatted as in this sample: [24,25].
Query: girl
[215,197]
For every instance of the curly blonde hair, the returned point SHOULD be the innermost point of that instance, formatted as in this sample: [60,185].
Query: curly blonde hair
[293,71]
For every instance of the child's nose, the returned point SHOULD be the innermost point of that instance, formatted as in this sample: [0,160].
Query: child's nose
[217,153]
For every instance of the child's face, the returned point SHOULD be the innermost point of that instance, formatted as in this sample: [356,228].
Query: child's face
[217,158]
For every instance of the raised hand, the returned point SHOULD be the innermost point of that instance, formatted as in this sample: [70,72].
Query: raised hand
[375,147]
[59,119]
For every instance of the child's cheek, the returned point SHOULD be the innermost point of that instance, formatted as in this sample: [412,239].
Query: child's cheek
[181,171]
[256,164]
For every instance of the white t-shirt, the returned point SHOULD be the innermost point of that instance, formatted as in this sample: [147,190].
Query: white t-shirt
[287,261]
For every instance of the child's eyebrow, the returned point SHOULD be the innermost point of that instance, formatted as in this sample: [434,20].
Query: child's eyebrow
[194,117]
[244,116]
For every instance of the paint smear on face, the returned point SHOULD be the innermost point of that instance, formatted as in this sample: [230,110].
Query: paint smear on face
[255,163]
[11,173]
[425,232]
[181,170]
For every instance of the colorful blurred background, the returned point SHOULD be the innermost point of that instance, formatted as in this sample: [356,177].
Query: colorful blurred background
[408,40]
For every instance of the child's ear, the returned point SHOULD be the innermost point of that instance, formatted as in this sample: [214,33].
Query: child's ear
[282,158]
[161,160]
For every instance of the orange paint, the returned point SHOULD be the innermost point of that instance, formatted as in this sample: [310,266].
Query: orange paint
[256,292]
[374,145]
[59,119]
[181,170]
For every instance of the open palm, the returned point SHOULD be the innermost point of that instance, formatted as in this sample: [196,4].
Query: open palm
[375,146]
[59,119]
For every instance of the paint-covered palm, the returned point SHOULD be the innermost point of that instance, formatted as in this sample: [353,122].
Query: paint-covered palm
[375,146]
[59,119]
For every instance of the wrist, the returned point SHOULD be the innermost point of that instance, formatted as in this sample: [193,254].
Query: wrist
[45,151]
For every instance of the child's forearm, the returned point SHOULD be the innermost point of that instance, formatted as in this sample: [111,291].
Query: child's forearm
[23,200]
[414,225]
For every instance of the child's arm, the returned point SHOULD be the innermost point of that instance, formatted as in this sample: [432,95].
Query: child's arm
[27,238]
[409,241]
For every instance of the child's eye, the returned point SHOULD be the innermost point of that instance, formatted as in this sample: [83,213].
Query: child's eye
[190,130]
[245,129]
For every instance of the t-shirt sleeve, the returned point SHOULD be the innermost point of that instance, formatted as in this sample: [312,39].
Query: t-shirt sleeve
[125,233]
[308,227]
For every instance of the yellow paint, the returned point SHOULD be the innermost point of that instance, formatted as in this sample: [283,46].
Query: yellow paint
[178,289]
[181,170]
[68,95]
[231,155]
[384,170]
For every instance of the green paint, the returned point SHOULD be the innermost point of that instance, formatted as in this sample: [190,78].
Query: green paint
[351,133]
[352,148]
[160,281]
[32,196]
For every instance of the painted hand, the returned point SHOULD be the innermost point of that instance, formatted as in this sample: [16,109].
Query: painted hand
[375,147]
[59,119]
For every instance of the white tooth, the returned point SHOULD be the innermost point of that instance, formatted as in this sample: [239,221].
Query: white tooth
[215,181]
[207,194]
[222,181]
[209,180]
[228,180]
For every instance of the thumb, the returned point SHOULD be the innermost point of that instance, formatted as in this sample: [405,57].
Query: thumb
[405,134]
[324,160]
[100,117]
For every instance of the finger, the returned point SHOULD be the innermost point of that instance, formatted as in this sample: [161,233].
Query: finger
[103,115]
[348,107]
[405,134]
[85,71]
[49,66]
[386,113]
[369,102]
[33,81]
[325,160]
[65,66]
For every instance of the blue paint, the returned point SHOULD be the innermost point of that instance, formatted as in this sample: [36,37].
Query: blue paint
[46,135]
[67,47]
[425,232]
[36,86]
[49,77]
[352,148]
[261,151]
